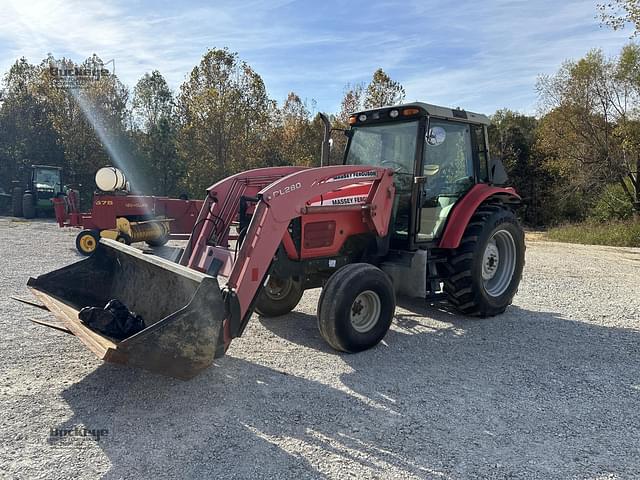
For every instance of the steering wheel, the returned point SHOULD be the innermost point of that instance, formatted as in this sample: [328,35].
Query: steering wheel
[399,165]
[454,186]
[463,179]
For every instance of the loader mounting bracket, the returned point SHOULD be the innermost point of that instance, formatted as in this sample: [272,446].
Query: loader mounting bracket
[233,312]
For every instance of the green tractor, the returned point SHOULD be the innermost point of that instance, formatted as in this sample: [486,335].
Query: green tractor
[45,183]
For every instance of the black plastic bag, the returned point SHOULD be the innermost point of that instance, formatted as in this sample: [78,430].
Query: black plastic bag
[114,320]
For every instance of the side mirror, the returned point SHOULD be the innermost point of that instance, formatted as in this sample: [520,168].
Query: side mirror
[497,172]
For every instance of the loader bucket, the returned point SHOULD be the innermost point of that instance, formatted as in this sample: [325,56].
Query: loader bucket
[183,309]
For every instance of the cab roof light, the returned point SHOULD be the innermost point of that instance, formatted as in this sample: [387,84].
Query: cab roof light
[352,119]
[407,112]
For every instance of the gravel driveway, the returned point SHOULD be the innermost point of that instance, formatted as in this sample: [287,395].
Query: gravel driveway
[551,389]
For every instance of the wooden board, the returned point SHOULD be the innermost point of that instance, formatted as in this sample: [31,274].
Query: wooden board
[97,343]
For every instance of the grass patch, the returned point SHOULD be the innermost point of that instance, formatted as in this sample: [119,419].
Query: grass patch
[616,234]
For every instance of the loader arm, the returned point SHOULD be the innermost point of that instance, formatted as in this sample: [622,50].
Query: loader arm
[221,207]
[281,202]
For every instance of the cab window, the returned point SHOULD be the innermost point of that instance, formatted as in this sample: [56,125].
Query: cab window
[481,149]
[391,145]
[448,157]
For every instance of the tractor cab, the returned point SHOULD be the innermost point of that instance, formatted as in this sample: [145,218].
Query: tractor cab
[438,155]
[45,183]
[46,180]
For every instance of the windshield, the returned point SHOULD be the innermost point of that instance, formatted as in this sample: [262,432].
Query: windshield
[391,145]
[48,176]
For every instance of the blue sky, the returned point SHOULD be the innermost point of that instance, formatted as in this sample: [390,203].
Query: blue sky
[479,55]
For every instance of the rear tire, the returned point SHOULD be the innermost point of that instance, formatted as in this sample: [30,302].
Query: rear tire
[16,201]
[356,307]
[484,272]
[278,297]
[87,242]
[28,205]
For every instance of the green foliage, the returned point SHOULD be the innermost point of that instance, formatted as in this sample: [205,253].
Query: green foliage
[618,234]
[351,102]
[383,91]
[152,100]
[224,115]
[590,134]
[295,138]
[512,139]
[155,135]
[618,13]
[27,134]
[612,204]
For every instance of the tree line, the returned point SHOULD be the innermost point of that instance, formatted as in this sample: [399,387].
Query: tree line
[220,121]
[579,158]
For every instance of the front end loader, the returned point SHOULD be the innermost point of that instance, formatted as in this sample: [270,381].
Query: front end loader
[417,209]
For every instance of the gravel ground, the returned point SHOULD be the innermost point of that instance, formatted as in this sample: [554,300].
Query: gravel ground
[550,389]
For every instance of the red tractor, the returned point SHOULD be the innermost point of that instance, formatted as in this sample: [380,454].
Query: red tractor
[417,209]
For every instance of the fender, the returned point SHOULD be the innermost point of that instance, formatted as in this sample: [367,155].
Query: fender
[467,206]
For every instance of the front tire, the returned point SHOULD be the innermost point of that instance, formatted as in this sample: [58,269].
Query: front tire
[485,270]
[16,201]
[87,242]
[278,297]
[356,307]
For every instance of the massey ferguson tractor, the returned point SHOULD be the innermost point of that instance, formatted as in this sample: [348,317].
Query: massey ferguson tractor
[417,209]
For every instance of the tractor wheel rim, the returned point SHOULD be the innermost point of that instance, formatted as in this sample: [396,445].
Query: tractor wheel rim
[88,243]
[365,311]
[278,288]
[498,263]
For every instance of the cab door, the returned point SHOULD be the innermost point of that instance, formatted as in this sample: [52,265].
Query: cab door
[447,173]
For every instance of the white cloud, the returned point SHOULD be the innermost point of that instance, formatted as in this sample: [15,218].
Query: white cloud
[138,41]
[478,55]
[513,42]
